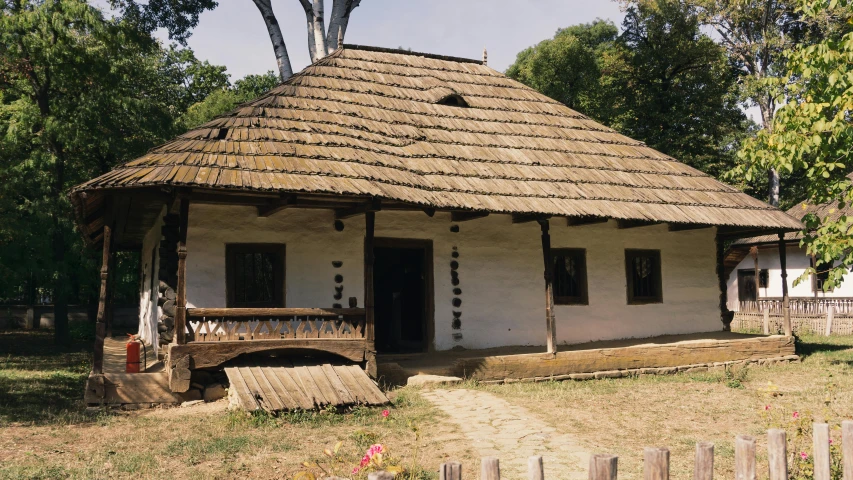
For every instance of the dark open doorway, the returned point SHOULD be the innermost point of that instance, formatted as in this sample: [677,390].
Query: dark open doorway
[402,279]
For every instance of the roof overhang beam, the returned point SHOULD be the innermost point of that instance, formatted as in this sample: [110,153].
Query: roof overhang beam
[681,227]
[374,205]
[276,206]
[623,224]
[579,221]
[463,216]
[528,217]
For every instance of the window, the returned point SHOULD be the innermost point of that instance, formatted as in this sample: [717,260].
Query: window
[642,268]
[254,275]
[821,275]
[569,276]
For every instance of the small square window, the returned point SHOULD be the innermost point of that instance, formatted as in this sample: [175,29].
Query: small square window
[254,275]
[821,275]
[569,276]
[643,272]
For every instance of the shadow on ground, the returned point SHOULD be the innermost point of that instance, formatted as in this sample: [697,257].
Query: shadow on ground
[39,381]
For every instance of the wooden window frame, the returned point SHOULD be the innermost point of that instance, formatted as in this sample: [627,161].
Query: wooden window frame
[630,255]
[817,281]
[583,298]
[231,249]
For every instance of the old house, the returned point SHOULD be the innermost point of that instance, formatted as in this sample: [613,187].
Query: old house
[384,202]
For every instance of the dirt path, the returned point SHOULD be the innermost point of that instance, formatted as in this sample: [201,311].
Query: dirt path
[510,433]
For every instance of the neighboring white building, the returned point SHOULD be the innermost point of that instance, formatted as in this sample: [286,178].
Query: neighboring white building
[741,266]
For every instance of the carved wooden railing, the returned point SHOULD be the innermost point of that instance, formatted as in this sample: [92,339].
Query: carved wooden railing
[800,305]
[242,324]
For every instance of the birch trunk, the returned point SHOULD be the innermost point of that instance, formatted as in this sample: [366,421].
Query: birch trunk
[773,189]
[341,10]
[316,27]
[285,71]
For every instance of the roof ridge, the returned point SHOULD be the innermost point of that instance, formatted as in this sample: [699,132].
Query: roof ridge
[400,51]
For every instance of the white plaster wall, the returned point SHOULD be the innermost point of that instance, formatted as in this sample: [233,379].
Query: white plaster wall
[149,312]
[797,263]
[500,272]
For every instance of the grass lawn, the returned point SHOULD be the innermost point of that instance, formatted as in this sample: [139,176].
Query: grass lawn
[621,416]
[46,432]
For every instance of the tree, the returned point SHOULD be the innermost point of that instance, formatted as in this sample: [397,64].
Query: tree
[78,93]
[568,68]
[180,16]
[755,34]
[661,81]
[812,135]
[227,98]
[678,87]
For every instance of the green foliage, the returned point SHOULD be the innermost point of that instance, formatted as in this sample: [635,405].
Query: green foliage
[661,81]
[735,377]
[812,137]
[177,17]
[225,99]
[79,93]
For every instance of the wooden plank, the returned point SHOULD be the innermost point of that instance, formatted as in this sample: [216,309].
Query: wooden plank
[238,383]
[213,354]
[374,395]
[283,392]
[336,383]
[526,217]
[121,388]
[352,385]
[273,312]
[181,291]
[578,221]
[253,388]
[325,386]
[312,391]
[292,385]
[270,395]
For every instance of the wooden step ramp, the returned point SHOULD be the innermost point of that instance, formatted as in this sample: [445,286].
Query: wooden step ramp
[290,387]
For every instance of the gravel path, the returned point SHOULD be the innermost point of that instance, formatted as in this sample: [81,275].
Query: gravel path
[497,428]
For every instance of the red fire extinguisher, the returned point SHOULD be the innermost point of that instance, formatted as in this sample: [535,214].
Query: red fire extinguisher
[133,347]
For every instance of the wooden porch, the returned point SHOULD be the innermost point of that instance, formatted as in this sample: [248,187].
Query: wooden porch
[603,359]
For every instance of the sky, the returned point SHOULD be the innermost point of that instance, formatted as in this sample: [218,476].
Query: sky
[234,34]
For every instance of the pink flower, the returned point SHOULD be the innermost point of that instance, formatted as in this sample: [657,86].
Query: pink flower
[355,470]
[767,407]
[804,455]
[385,413]
[796,414]
[830,441]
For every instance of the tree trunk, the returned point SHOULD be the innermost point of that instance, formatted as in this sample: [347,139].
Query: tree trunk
[767,111]
[341,10]
[316,27]
[60,290]
[285,71]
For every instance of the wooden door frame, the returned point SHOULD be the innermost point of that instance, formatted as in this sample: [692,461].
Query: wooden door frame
[429,279]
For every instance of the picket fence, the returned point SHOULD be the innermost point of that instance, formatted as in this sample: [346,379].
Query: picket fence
[656,460]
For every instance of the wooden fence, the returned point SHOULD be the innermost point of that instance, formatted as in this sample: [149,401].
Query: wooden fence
[842,306]
[829,323]
[656,460]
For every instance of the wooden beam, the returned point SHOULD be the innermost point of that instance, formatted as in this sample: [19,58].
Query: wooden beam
[213,354]
[273,312]
[181,293]
[726,316]
[464,216]
[369,328]
[101,319]
[375,205]
[528,217]
[578,221]
[622,224]
[550,323]
[276,206]
[786,303]
[681,227]
[430,212]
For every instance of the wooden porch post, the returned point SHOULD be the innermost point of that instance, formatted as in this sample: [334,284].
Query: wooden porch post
[369,326]
[101,325]
[550,323]
[754,252]
[726,316]
[181,293]
[783,263]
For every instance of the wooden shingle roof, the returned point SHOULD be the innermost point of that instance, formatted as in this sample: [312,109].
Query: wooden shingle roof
[370,122]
